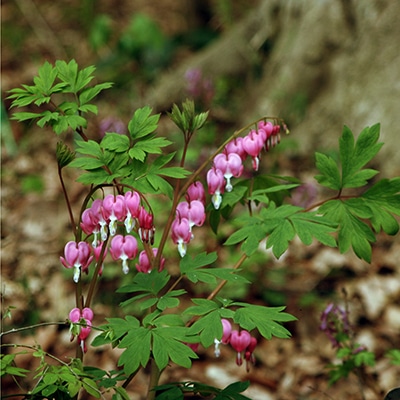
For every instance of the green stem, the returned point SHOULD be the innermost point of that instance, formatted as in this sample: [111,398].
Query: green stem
[25,328]
[320,203]
[176,197]
[71,215]
[95,276]
[155,374]
[241,260]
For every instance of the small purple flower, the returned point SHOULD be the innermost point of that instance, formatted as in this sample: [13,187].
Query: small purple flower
[304,195]
[112,124]
[334,320]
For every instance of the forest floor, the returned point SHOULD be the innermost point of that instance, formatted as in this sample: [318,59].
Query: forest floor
[305,279]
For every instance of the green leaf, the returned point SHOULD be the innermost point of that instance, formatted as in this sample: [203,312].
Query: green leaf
[187,120]
[137,344]
[164,320]
[167,344]
[90,386]
[209,327]
[192,268]
[88,108]
[121,392]
[203,306]
[48,117]
[232,391]
[150,146]
[173,393]
[309,226]
[7,367]
[74,387]
[68,74]
[64,122]
[190,263]
[74,79]
[87,163]
[364,358]
[394,356]
[354,157]
[49,390]
[90,93]
[330,175]
[121,326]
[266,319]
[383,200]
[280,237]
[174,172]
[45,78]
[169,300]
[94,177]
[151,283]
[142,123]
[24,116]
[115,142]
[352,230]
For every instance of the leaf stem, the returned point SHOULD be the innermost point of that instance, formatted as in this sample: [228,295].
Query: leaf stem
[212,295]
[320,203]
[25,328]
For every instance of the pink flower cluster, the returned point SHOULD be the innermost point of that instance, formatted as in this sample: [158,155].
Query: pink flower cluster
[104,214]
[189,213]
[241,341]
[229,163]
[83,317]
[101,220]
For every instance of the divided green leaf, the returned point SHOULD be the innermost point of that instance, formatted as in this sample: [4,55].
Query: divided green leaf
[267,320]
[354,155]
[143,123]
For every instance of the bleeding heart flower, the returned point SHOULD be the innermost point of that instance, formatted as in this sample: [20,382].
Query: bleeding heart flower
[181,234]
[216,186]
[145,264]
[196,192]
[239,341]
[77,256]
[230,165]
[84,318]
[132,203]
[114,210]
[124,248]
